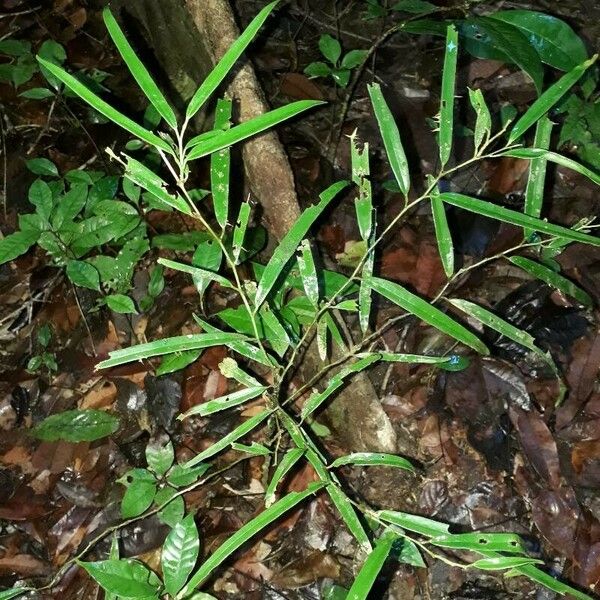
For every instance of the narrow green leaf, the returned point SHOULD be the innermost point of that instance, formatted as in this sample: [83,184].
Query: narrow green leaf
[552,278]
[501,542]
[239,232]
[483,123]
[426,312]
[447,99]
[248,128]
[247,532]
[308,273]
[416,523]
[290,458]
[336,382]
[368,573]
[138,70]
[254,448]
[179,554]
[125,578]
[104,108]
[417,358]
[534,194]
[504,562]
[240,431]
[443,235]
[391,138]
[532,153]
[322,338]
[496,323]
[224,402]
[224,66]
[76,426]
[168,346]
[548,99]
[288,245]
[197,272]
[365,292]
[150,181]
[487,209]
[220,165]
[368,459]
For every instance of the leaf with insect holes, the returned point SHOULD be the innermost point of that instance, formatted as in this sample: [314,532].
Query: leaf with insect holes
[226,63]
[391,138]
[220,165]
[290,458]
[224,402]
[446,128]
[140,492]
[179,554]
[138,70]
[248,531]
[104,108]
[501,542]
[288,245]
[373,459]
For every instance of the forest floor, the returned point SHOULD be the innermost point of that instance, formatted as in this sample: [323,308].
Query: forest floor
[495,452]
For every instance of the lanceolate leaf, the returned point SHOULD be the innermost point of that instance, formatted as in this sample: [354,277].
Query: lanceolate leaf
[77,426]
[504,562]
[552,278]
[104,108]
[500,213]
[248,128]
[224,402]
[179,554]
[224,66]
[288,245]
[369,459]
[13,593]
[308,273]
[497,324]
[416,523]
[426,312]
[225,441]
[483,124]
[447,100]
[555,158]
[548,99]
[534,194]
[555,42]
[138,70]
[290,458]
[391,138]
[220,164]
[196,272]
[167,346]
[368,573]
[443,235]
[247,532]
[501,542]
[239,233]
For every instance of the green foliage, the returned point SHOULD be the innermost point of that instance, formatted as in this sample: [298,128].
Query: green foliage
[338,67]
[288,300]
[77,426]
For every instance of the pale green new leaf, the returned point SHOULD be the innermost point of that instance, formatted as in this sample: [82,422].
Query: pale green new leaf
[548,99]
[290,458]
[138,70]
[104,108]
[288,245]
[179,554]
[224,66]
[426,312]
[247,532]
[168,346]
[447,99]
[374,562]
[391,138]
[487,209]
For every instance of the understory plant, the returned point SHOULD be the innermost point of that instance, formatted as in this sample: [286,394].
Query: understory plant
[291,299]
